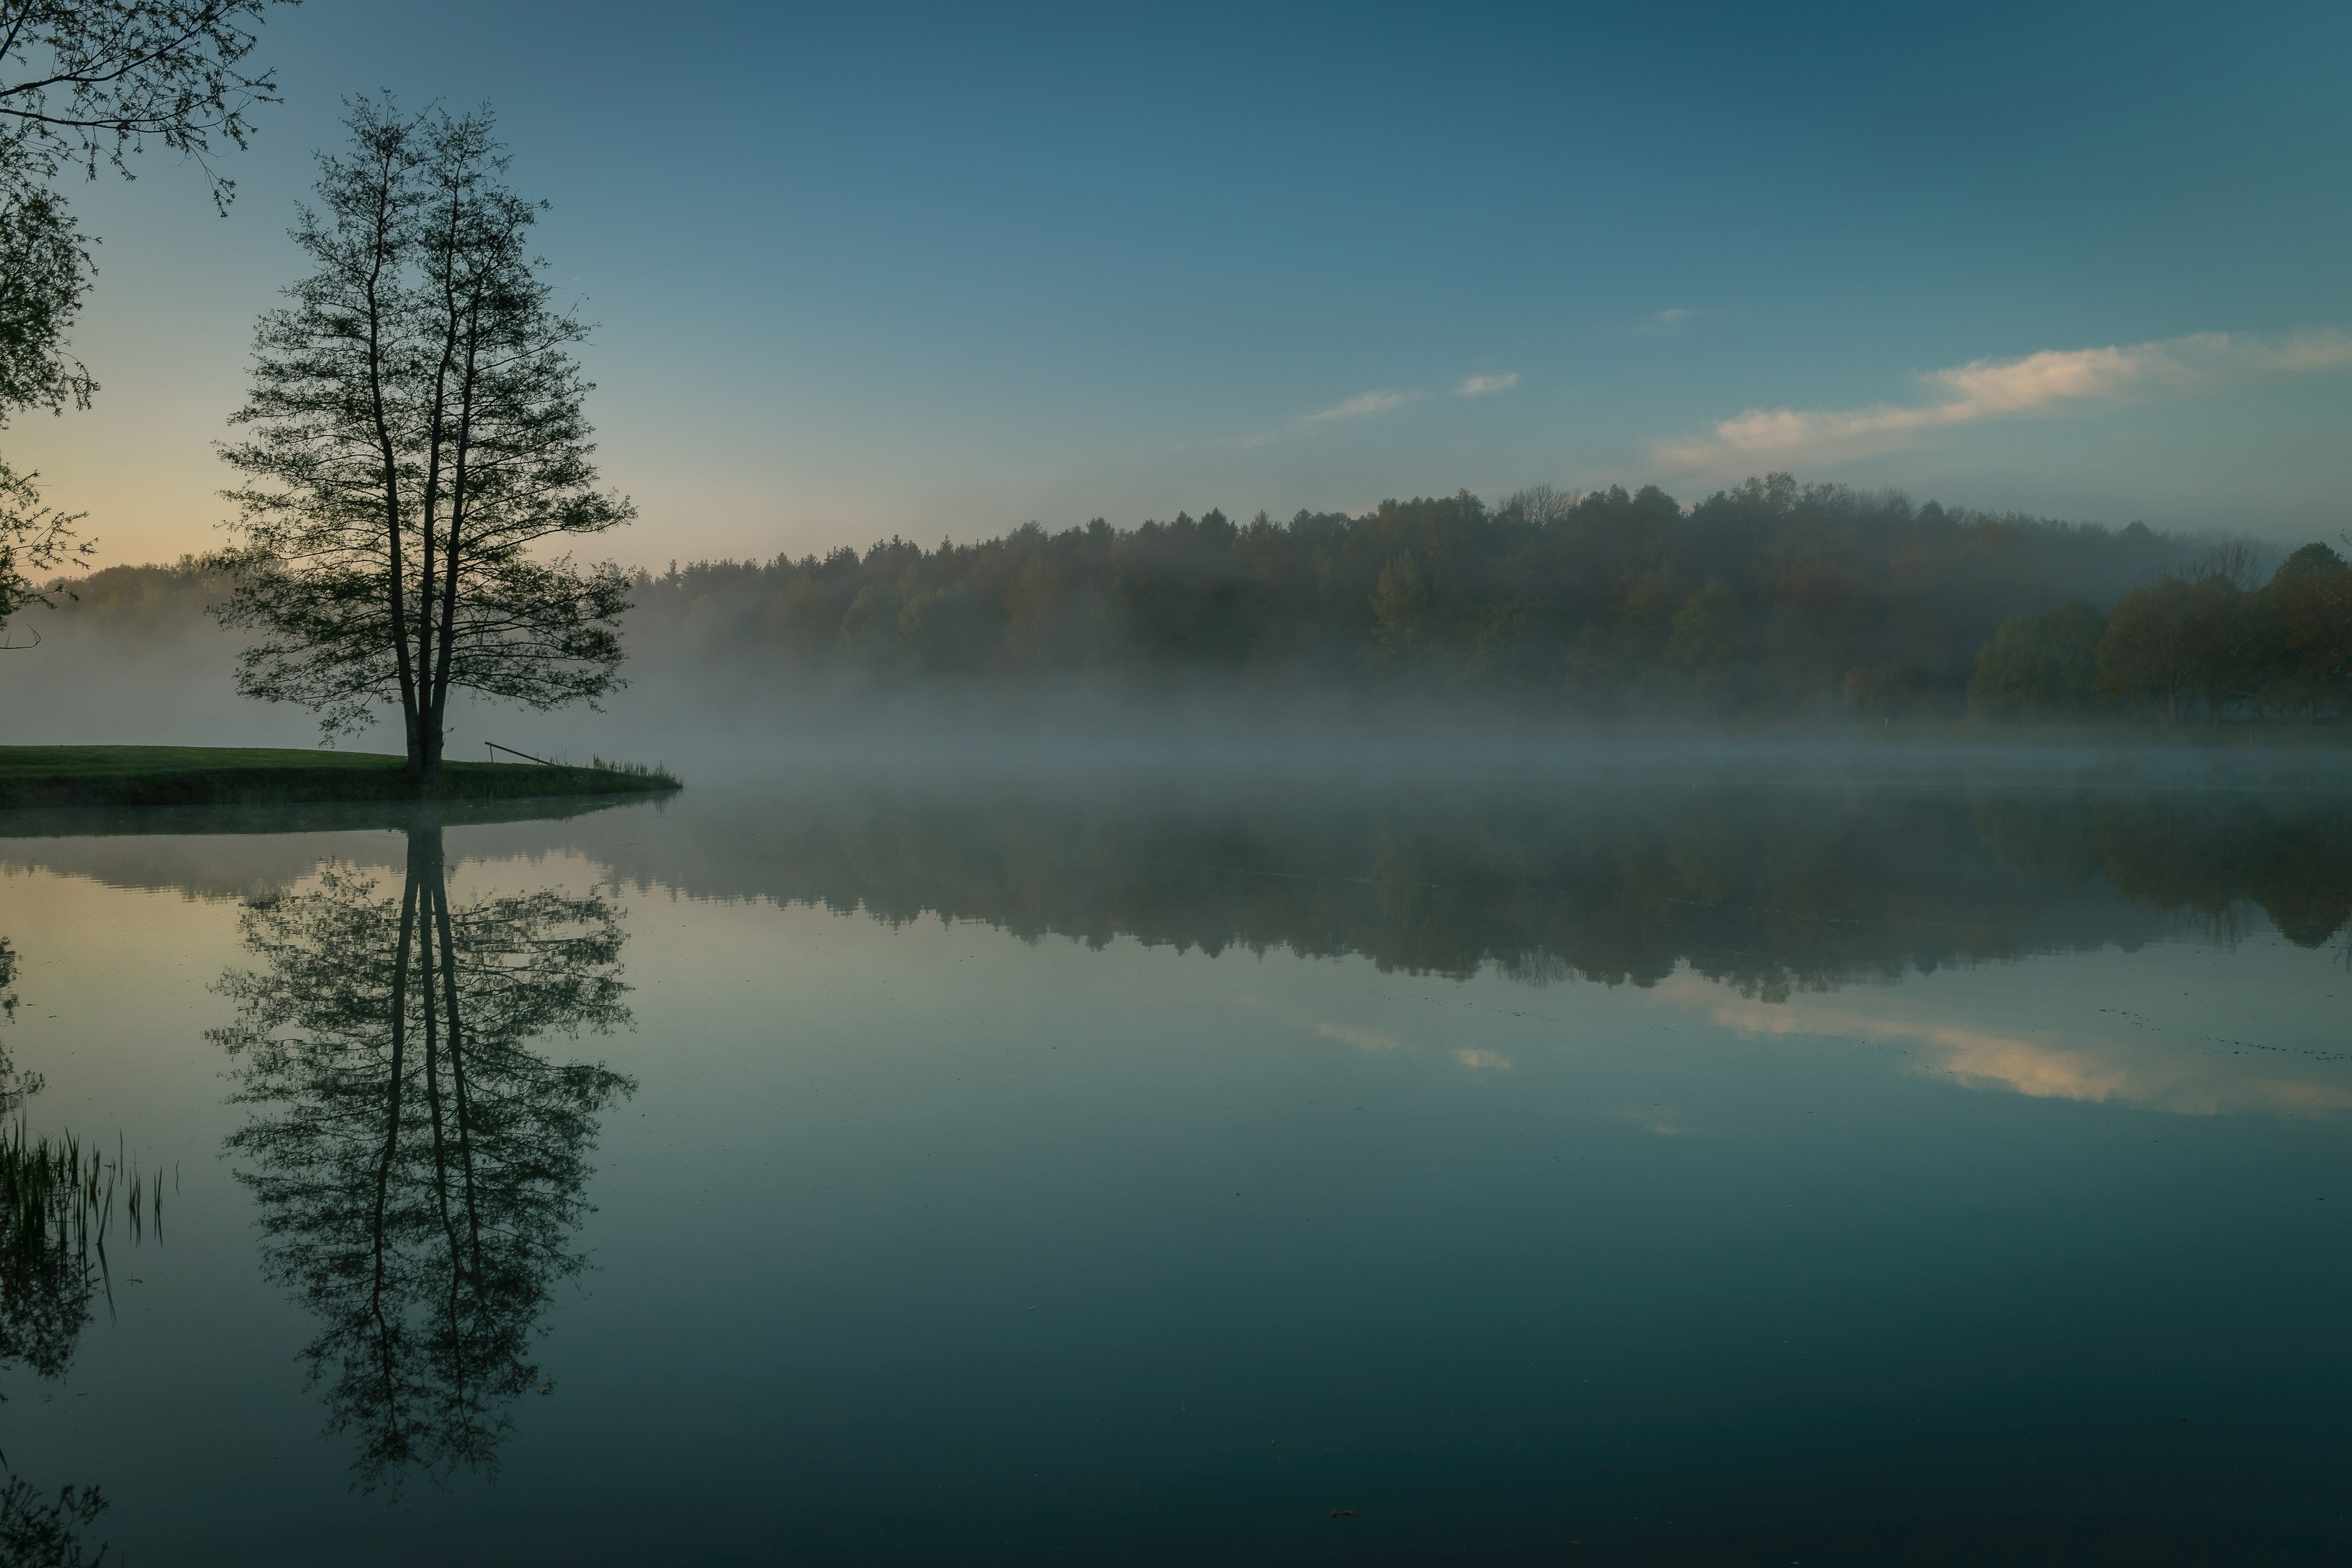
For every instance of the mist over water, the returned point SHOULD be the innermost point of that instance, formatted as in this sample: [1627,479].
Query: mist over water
[1548,617]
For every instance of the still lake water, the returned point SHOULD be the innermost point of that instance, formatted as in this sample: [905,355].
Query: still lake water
[852,1172]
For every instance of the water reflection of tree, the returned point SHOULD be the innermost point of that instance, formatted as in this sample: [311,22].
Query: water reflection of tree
[36,1533]
[2201,855]
[420,1169]
[14,1086]
[47,1282]
[1770,889]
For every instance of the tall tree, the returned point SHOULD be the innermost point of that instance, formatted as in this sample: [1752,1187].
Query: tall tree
[419,437]
[81,82]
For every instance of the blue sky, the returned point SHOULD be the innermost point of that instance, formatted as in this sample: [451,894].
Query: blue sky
[941,270]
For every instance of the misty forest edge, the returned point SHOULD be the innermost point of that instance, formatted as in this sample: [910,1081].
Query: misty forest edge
[415,448]
[1770,600]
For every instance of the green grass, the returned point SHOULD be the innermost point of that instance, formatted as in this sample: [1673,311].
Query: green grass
[216,775]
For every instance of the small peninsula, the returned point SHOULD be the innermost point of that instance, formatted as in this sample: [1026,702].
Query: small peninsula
[207,775]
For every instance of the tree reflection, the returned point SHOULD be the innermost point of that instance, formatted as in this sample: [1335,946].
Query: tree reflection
[1773,891]
[46,1286]
[54,1204]
[420,1167]
[47,1277]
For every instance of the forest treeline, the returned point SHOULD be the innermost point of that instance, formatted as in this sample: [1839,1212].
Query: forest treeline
[1770,599]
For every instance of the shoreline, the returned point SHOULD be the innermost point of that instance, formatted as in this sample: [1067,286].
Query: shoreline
[52,777]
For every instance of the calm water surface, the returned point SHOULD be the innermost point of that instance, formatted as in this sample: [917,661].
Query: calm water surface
[848,1171]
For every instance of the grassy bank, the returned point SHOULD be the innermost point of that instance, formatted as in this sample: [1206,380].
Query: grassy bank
[239,776]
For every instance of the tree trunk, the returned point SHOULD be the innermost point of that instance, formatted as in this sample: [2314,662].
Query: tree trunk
[435,738]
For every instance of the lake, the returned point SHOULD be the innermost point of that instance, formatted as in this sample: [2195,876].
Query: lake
[1667,1165]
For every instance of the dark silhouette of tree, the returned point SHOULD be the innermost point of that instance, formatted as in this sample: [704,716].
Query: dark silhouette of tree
[418,439]
[83,81]
[34,538]
[420,1167]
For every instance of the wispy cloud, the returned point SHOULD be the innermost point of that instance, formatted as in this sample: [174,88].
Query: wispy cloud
[1987,390]
[1658,323]
[1363,405]
[1373,405]
[1483,1060]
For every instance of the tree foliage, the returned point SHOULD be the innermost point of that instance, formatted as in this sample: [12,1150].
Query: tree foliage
[2203,638]
[84,82]
[100,80]
[418,436]
[44,272]
[2039,666]
[34,539]
[2309,632]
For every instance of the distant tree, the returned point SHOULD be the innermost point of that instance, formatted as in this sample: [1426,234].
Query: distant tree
[1874,690]
[2016,672]
[1400,605]
[2309,604]
[2150,651]
[1706,635]
[1546,506]
[83,81]
[2073,630]
[1814,624]
[2222,643]
[419,436]
[2038,664]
